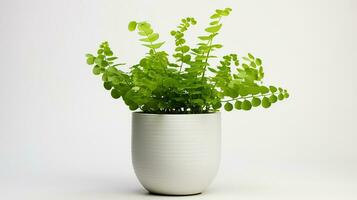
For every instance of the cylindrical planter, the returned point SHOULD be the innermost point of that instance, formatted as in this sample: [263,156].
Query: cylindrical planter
[176,154]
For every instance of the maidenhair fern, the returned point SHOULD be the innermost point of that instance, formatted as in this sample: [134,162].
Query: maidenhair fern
[159,85]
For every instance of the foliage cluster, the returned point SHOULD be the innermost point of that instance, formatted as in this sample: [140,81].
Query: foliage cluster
[189,84]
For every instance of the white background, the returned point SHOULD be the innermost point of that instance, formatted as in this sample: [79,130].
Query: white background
[63,137]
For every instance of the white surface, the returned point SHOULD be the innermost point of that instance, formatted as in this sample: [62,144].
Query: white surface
[63,137]
[244,181]
[176,154]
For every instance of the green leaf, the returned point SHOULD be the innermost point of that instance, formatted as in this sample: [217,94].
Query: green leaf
[258,61]
[250,56]
[142,33]
[218,46]
[255,90]
[264,89]
[273,89]
[98,61]
[256,102]
[100,51]
[214,16]
[144,26]
[90,60]
[243,91]
[213,29]
[217,105]
[224,13]
[112,58]
[107,85]
[228,9]
[118,64]
[115,93]
[281,97]
[228,106]
[154,46]
[96,70]
[214,22]
[245,66]
[246,105]
[204,37]
[238,105]
[132,26]
[286,95]
[246,59]
[180,42]
[266,103]
[185,49]
[108,52]
[133,107]
[135,89]
[153,37]
[273,98]
[186,58]
[198,101]
[212,70]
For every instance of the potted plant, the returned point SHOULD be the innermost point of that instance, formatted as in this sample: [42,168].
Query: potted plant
[176,133]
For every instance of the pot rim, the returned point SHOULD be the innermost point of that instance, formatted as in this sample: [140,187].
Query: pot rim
[174,114]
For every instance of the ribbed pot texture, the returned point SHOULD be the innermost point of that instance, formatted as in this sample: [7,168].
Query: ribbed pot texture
[176,154]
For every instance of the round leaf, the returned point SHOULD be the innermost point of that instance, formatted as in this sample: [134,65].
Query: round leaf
[238,105]
[273,98]
[133,107]
[280,96]
[96,70]
[153,37]
[228,106]
[258,61]
[217,105]
[246,105]
[256,102]
[132,26]
[90,60]
[273,89]
[107,85]
[185,49]
[266,103]
[264,90]
[98,61]
[173,33]
[115,93]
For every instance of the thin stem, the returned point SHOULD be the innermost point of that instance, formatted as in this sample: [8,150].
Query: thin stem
[181,59]
[209,51]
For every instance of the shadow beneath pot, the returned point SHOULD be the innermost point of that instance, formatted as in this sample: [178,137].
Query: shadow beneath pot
[172,195]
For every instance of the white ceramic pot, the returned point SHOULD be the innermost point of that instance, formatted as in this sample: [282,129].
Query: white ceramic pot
[176,154]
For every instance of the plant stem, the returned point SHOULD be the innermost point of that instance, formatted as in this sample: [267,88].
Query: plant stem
[181,59]
[209,51]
